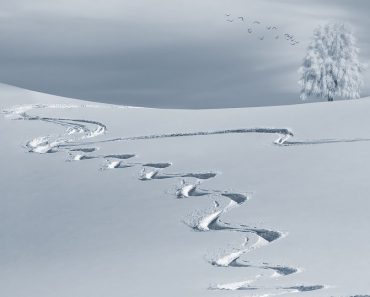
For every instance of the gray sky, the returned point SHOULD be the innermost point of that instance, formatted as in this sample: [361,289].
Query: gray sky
[168,53]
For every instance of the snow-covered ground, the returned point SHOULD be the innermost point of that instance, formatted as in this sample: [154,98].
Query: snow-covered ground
[103,200]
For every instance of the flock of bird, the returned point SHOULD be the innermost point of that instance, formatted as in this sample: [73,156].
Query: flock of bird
[289,37]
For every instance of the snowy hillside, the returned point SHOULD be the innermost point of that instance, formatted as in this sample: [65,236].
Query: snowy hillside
[104,200]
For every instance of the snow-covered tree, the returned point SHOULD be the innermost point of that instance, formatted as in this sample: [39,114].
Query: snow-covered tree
[331,67]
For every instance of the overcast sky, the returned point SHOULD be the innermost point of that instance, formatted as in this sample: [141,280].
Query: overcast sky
[167,53]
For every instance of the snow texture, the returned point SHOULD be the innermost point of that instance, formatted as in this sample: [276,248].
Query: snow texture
[68,228]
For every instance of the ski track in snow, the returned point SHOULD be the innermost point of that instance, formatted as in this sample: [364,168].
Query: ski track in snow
[284,135]
[75,142]
[157,174]
[247,286]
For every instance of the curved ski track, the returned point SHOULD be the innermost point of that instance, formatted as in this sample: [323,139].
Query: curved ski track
[74,142]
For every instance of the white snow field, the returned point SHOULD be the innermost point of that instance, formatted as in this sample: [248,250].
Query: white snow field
[104,200]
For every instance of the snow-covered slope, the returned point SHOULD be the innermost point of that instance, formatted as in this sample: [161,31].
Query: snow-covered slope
[102,200]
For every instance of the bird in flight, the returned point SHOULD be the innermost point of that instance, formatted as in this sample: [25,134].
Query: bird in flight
[288,36]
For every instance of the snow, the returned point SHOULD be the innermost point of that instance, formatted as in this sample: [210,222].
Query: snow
[226,260]
[70,229]
[207,220]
